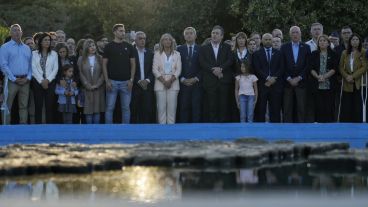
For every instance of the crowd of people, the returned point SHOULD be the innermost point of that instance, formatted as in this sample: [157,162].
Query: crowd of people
[48,78]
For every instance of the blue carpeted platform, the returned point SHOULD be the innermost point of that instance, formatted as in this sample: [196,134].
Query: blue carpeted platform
[355,134]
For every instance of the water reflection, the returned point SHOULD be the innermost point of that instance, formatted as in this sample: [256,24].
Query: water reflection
[37,191]
[154,184]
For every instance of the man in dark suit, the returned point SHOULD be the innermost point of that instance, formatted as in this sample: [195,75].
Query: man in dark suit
[295,56]
[143,104]
[190,94]
[268,67]
[216,60]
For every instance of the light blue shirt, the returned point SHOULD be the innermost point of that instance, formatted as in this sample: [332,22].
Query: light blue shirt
[295,47]
[16,59]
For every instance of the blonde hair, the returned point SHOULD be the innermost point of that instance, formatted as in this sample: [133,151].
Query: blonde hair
[173,43]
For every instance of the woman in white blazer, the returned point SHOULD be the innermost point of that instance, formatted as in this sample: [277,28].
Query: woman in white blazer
[44,69]
[166,69]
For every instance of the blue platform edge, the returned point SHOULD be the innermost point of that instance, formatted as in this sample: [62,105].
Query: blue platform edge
[354,134]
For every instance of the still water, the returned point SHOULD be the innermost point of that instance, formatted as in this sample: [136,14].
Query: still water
[159,185]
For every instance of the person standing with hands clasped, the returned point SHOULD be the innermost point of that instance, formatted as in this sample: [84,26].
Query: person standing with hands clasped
[246,93]
[66,94]
[45,67]
[92,79]
[166,69]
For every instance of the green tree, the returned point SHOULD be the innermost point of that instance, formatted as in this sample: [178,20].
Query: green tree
[4,32]
[34,16]
[174,15]
[265,15]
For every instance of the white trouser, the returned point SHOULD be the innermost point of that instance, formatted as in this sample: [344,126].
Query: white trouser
[166,106]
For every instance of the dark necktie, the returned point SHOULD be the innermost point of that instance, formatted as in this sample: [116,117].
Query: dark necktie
[190,51]
[268,51]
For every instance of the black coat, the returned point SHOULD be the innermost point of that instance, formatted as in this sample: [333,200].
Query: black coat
[314,64]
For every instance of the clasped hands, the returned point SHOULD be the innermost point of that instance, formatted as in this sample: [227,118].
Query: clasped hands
[271,81]
[217,71]
[143,84]
[294,81]
[350,79]
[167,83]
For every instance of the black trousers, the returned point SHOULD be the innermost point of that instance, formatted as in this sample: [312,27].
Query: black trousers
[142,105]
[47,97]
[324,110]
[273,96]
[289,104]
[190,103]
[351,106]
[218,102]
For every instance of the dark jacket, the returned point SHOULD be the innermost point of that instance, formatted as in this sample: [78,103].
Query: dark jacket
[314,64]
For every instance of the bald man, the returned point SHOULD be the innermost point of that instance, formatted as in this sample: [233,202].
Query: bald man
[268,66]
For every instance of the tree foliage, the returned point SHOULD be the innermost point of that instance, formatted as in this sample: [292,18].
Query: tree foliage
[4,32]
[34,16]
[155,17]
[265,15]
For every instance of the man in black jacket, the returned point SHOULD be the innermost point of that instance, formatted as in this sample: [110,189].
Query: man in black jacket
[268,66]
[216,60]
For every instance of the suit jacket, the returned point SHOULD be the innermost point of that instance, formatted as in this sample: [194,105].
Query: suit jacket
[52,66]
[300,68]
[148,59]
[224,60]
[314,64]
[263,69]
[190,66]
[158,70]
[359,68]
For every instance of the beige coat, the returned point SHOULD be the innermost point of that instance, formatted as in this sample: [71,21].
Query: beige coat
[94,99]
[158,70]
[359,68]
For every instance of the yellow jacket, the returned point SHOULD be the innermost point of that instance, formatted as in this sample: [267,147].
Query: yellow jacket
[359,68]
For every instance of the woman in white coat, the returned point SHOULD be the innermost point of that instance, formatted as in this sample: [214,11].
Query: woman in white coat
[166,69]
[45,66]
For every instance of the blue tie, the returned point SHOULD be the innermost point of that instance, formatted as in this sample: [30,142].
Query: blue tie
[268,55]
[190,51]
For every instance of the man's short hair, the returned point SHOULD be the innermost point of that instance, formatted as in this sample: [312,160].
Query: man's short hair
[116,26]
[190,28]
[294,27]
[15,25]
[346,27]
[140,33]
[218,27]
[316,24]
[335,34]
[100,37]
[60,31]
[28,38]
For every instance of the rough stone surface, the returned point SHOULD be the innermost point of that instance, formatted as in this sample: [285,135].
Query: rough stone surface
[81,158]
[345,161]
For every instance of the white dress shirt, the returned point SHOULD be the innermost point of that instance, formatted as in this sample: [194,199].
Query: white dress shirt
[141,62]
[215,48]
